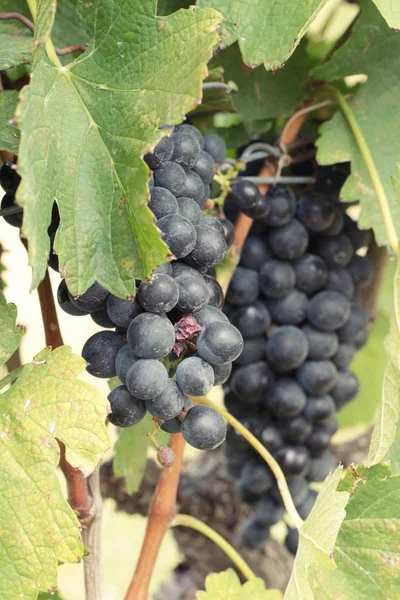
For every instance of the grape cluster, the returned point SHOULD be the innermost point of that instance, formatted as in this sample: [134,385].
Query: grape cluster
[171,341]
[295,298]
[9,181]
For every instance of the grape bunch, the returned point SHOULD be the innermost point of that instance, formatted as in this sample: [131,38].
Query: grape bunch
[171,341]
[9,181]
[295,298]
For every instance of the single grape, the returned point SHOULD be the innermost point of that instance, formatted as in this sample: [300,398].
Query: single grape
[289,241]
[296,430]
[209,249]
[15,219]
[215,146]
[216,294]
[277,278]
[346,388]
[178,233]
[146,378]
[292,541]
[294,460]
[193,293]
[228,230]
[186,150]
[123,362]
[317,376]
[321,344]
[282,203]
[171,177]
[244,287]
[337,251]
[9,178]
[188,208]
[162,153]
[255,253]
[195,376]
[190,130]
[319,440]
[222,373]
[268,512]
[93,299]
[271,437]
[306,506]
[311,273]
[289,310]
[65,302]
[252,319]
[256,476]
[151,336]
[253,351]
[163,203]
[100,317]
[100,352]
[315,212]
[361,270]
[180,268]
[355,329]
[321,466]
[260,209]
[205,167]
[159,295]
[343,357]
[328,310]
[209,314]
[203,428]
[219,343]
[254,534]
[319,408]
[286,348]
[169,403]
[126,410]
[337,224]
[194,188]
[212,222]
[250,381]
[122,312]
[285,398]
[340,280]
[165,456]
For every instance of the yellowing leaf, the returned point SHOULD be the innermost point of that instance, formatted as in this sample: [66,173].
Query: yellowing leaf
[226,586]
[38,528]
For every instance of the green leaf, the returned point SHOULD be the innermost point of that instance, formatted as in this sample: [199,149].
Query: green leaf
[9,132]
[226,586]
[10,333]
[15,44]
[38,528]
[369,363]
[268,32]
[372,49]
[368,545]
[131,453]
[263,95]
[390,11]
[96,118]
[317,537]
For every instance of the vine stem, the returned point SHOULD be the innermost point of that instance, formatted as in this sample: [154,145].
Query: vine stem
[193,523]
[87,505]
[369,163]
[263,452]
[160,515]
[15,16]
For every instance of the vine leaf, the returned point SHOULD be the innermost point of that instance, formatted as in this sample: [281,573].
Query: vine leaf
[368,544]
[38,528]
[226,586]
[263,95]
[268,32]
[317,537]
[9,132]
[372,49]
[390,12]
[15,44]
[96,118]
[10,333]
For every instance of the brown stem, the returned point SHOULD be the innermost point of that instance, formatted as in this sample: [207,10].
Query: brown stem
[70,49]
[161,513]
[78,494]
[369,299]
[49,315]
[15,16]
